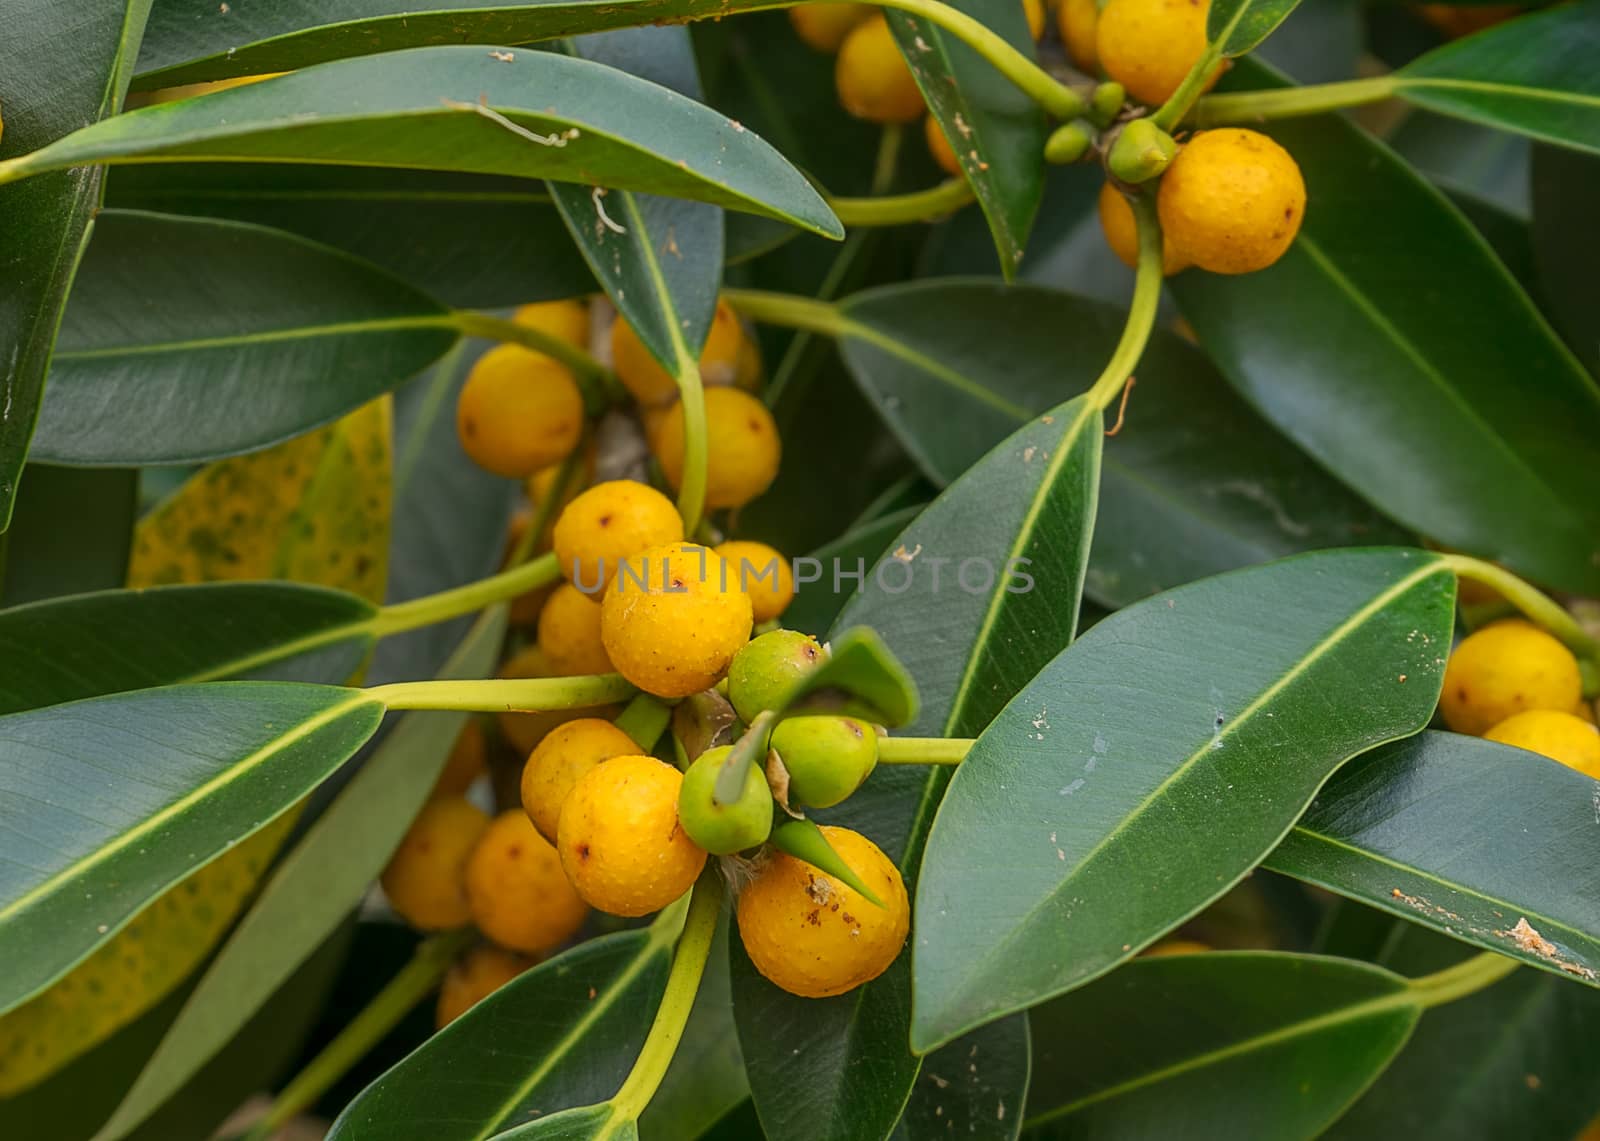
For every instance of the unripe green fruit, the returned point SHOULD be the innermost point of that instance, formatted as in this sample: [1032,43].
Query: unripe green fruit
[1142,151]
[827,757]
[723,829]
[765,669]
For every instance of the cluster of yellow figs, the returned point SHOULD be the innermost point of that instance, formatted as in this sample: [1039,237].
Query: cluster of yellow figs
[604,825]
[873,79]
[1514,683]
[520,412]
[1231,200]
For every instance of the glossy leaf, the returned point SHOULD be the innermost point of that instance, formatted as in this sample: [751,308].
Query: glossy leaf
[450,516]
[111,642]
[1435,388]
[421,108]
[1195,483]
[1565,246]
[319,882]
[55,75]
[224,338]
[173,777]
[1238,26]
[659,259]
[997,132]
[1534,75]
[1231,699]
[1243,1045]
[1524,1041]
[466,239]
[41,559]
[817,603]
[563,1034]
[1458,834]
[975,1087]
[969,643]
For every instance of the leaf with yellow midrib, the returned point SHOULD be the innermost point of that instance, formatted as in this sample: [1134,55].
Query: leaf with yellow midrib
[313,509]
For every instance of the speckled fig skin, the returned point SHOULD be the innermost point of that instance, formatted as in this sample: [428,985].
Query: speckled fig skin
[519,895]
[608,523]
[673,620]
[620,840]
[722,829]
[1232,201]
[743,450]
[518,411]
[569,633]
[1503,669]
[1149,46]
[1563,737]
[827,757]
[425,879]
[813,936]
[763,670]
[474,977]
[559,761]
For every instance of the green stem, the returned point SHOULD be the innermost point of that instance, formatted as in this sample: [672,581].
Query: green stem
[453,603]
[683,983]
[1142,310]
[789,310]
[923,750]
[595,380]
[1260,106]
[1171,113]
[899,209]
[645,719]
[1542,609]
[1061,101]
[1463,979]
[692,495]
[428,964]
[522,695]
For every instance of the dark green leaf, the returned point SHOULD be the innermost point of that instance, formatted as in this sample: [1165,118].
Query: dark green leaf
[1566,244]
[218,338]
[996,130]
[1515,1060]
[467,239]
[95,644]
[975,1087]
[1460,834]
[564,1034]
[424,108]
[664,269]
[40,558]
[55,75]
[1321,45]
[1232,699]
[1535,75]
[817,603]
[970,642]
[450,516]
[1195,484]
[108,802]
[586,1123]
[1240,1045]
[1433,385]
[1458,156]
[825,1069]
[308,894]
[1237,26]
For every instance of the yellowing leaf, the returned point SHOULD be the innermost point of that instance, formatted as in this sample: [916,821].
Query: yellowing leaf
[312,509]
